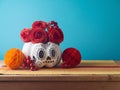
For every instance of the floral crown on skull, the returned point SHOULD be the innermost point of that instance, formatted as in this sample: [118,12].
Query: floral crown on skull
[42,32]
[42,43]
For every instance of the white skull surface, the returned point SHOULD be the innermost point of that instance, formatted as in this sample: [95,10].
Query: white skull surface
[38,53]
[48,54]
[53,54]
[27,48]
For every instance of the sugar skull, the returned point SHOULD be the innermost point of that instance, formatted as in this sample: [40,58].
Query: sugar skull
[47,55]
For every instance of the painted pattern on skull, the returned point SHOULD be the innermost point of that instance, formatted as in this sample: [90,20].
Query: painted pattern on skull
[47,55]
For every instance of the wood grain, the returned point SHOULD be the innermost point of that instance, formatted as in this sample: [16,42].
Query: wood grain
[89,75]
[86,67]
[60,86]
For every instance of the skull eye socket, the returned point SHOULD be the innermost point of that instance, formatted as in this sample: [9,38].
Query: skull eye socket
[52,53]
[41,54]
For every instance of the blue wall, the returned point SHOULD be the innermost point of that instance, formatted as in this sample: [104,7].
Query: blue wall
[92,26]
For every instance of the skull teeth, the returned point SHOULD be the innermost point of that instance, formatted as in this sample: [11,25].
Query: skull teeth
[48,61]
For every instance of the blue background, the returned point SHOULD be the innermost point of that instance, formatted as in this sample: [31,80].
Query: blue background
[92,26]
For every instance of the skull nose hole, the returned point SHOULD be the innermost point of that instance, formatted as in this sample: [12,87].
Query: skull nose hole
[48,58]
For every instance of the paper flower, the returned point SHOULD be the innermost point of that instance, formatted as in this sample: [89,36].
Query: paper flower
[14,58]
[71,57]
[55,35]
[38,35]
[25,34]
[39,24]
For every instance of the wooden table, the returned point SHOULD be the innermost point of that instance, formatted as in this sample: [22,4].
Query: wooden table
[89,75]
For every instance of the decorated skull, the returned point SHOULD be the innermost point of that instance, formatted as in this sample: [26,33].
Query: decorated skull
[47,55]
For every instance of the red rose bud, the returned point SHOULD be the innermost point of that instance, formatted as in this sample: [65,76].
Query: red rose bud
[71,58]
[55,35]
[39,24]
[25,34]
[38,35]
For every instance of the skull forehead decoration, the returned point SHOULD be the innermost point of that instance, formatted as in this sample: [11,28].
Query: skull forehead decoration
[47,55]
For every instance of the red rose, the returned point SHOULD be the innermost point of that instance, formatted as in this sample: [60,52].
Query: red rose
[38,36]
[25,34]
[71,57]
[39,24]
[55,35]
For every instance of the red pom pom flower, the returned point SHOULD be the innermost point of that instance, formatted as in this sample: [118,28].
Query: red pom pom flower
[39,24]
[25,34]
[71,58]
[55,33]
[38,35]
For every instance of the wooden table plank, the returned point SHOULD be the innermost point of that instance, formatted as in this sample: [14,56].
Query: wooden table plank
[86,67]
[88,70]
[89,75]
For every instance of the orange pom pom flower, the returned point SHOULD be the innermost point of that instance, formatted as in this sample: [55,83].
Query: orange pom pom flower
[14,58]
